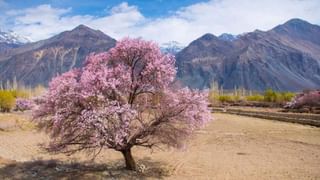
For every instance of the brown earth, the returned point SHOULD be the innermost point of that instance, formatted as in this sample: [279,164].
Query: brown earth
[230,147]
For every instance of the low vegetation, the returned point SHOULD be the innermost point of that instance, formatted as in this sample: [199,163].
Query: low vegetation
[24,104]
[277,97]
[255,97]
[307,101]
[7,101]
[18,98]
[244,97]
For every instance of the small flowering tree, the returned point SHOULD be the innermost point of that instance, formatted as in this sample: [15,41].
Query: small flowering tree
[120,99]
[24,104]
[309,98]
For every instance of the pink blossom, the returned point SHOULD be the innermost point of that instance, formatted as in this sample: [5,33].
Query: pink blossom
[310,98]
[120,99]
[24,104]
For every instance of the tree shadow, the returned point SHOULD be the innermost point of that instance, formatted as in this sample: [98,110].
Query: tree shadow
[54,169]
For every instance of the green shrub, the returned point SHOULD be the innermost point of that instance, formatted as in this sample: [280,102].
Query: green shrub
[225,98]
[270,96]
[7,101]
[257,97]
[287,96]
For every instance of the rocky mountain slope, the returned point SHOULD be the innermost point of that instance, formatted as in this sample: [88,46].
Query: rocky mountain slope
[36,63]
[286,57]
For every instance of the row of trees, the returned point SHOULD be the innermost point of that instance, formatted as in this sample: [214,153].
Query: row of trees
[13,84]
[297,102]
[217,96]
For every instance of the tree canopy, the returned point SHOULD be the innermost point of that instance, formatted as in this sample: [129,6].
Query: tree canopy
[121,98]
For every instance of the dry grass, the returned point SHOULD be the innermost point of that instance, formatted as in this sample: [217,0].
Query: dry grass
[231,147]
[16,121]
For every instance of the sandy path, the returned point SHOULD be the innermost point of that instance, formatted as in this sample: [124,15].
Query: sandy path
[231,147]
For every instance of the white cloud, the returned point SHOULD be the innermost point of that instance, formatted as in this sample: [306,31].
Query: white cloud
[185,25]
[231,16]
[44,21]
[123,7]
[120,22]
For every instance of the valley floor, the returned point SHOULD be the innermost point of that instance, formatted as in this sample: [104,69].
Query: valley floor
[230,147]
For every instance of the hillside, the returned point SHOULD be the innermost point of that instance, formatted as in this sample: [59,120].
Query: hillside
[36,63]
[286,57]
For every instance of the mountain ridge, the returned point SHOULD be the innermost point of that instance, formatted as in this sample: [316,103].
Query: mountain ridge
[36,63]
[286,57]
[256,60]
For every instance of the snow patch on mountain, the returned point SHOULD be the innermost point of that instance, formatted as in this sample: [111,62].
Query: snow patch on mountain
[228,37]
[172,47]
[11,37]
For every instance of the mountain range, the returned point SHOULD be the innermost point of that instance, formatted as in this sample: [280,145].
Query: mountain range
[36,63]
[285,58]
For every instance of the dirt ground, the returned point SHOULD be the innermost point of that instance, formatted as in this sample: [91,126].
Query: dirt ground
[230,147]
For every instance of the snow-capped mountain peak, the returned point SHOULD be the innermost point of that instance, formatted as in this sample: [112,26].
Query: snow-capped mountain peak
[172,47]
[227,37]
[11,37]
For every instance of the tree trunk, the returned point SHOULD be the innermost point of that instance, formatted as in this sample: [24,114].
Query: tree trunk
[130,163]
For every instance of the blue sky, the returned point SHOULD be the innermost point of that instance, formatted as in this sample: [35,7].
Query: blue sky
[150,8]
[158,20]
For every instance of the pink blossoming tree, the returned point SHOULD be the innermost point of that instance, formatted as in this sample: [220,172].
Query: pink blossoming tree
[120,99]
[24,104]
[305,99]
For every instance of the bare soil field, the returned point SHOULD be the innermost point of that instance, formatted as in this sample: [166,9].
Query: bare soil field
[230,147]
